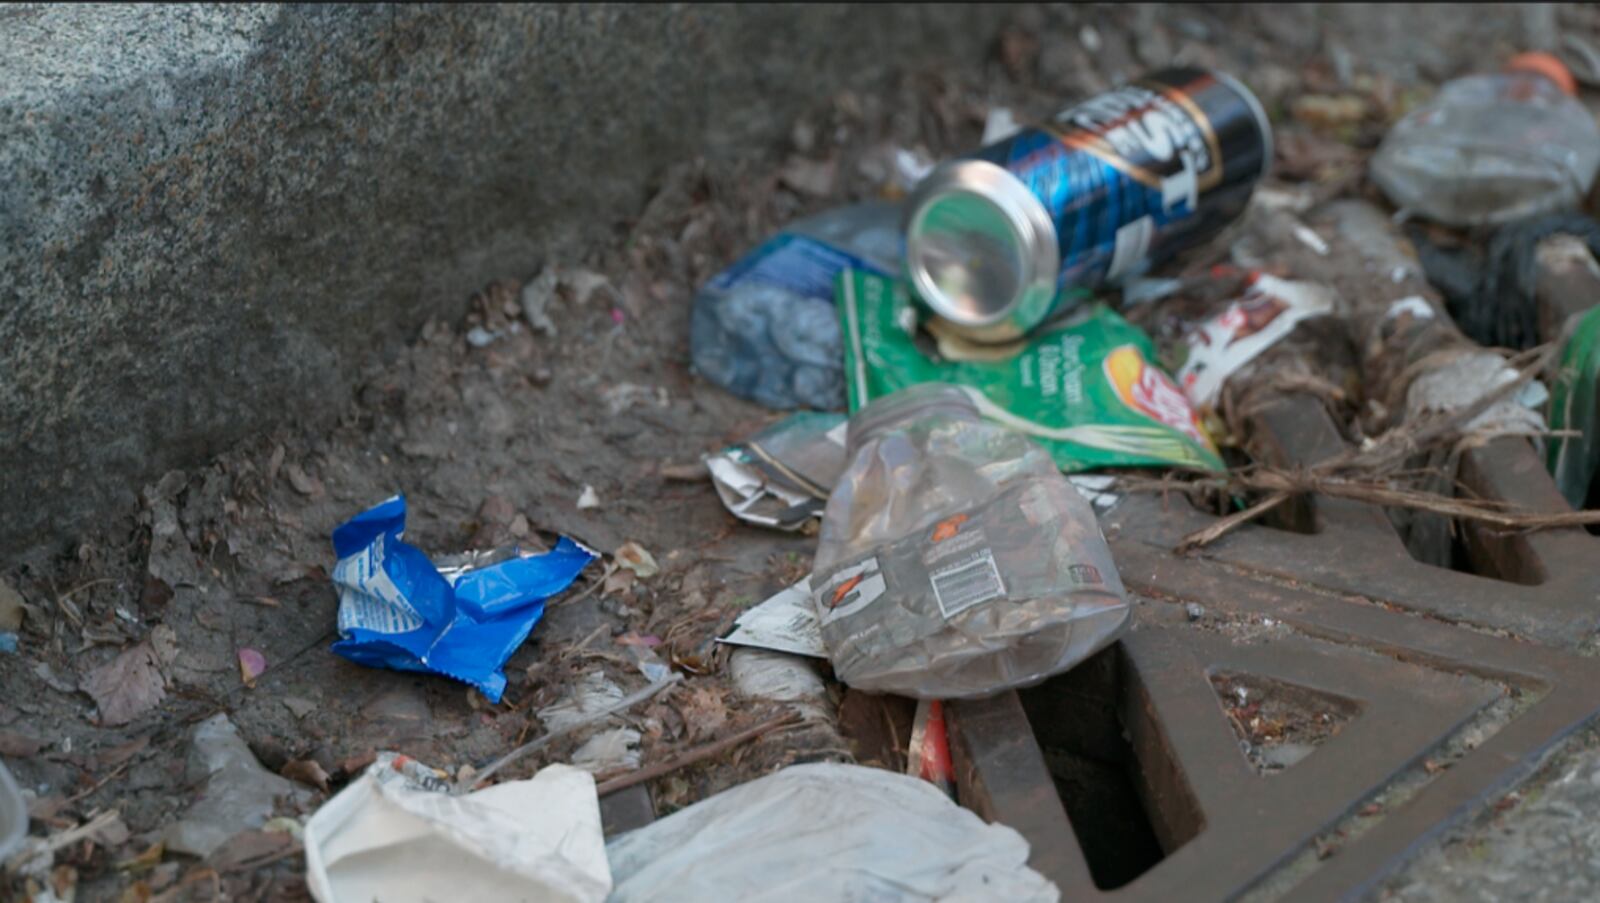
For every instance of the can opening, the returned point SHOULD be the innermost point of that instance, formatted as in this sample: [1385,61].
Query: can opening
[968,264]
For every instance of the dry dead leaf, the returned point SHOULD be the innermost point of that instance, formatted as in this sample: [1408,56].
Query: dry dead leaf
[157,592]
[274,463]
[637,559]
[108,759]
[703,709]
[586,284]
[127,686]
[19,746]
[63,882]
[11,606]
[149,859]
[303,483]
[249,849]
[617,581]
[251,665]
[164,640]
[353,765]
[308,772]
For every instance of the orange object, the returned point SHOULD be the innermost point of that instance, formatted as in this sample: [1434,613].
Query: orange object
[844,590]
[1546,65]
[948,527]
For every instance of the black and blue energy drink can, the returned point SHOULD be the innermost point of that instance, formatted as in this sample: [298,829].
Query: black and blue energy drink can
[999,240]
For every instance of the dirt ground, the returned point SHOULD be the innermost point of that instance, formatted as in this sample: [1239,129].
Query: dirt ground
[493,425]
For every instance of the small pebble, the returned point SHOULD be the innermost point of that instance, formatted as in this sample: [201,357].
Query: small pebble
[1195,612]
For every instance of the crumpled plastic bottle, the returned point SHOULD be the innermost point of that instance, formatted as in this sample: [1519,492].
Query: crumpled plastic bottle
[766,329]
[954,559]
[1493,148]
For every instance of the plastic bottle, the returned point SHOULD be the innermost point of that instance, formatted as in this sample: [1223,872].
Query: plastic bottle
[1493,148]
[954,558]
[766,328]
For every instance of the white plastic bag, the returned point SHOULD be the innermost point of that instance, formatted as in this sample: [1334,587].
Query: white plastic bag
[825,832]
[395,835]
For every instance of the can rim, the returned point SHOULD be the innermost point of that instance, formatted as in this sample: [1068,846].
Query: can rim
[1262,122]
[1025,215]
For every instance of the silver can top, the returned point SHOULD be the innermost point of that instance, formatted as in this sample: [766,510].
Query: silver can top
[981,250]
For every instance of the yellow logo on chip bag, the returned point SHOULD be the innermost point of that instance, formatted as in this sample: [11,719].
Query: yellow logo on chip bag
[1147,390]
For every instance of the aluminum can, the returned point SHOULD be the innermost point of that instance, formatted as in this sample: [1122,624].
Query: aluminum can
[1000,240]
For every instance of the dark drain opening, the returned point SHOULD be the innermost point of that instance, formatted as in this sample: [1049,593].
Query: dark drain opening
[1297,515]
[1471,548]
[1128,802]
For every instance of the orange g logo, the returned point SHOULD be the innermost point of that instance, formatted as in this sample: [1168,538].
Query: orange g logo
[844,589]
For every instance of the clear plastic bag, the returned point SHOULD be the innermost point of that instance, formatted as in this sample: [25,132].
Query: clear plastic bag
[955,560]
[1491,149]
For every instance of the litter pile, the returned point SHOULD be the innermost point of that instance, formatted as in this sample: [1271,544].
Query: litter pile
[1096,304]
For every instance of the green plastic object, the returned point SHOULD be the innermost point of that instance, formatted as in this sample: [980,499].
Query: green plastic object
[1572,459]
[1086,389]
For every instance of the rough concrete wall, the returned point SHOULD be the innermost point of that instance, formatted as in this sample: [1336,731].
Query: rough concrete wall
[211,217]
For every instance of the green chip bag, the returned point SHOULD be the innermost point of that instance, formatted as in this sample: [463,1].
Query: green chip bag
[1086,390]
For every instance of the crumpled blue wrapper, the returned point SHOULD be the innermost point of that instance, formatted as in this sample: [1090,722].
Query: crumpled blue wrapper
[396,610]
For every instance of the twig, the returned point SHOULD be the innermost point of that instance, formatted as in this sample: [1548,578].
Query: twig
[83,586]
[1285,483]
[1401,442]
[627,702]
[1221,528]
[100,783]
[43,847]
[1366,475]
[684,473]
[1481,511]
[589,590]
[583,643]
[691,756]
[293,849]
[66,607]
[263,601]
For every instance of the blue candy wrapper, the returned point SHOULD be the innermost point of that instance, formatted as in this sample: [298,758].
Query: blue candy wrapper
[397,610]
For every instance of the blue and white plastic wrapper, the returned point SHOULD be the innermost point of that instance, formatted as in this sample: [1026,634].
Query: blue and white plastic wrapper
[397,610]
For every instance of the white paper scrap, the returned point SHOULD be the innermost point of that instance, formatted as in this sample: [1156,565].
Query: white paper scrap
[787,622]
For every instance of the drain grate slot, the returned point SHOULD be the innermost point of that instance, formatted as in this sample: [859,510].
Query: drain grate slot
[1124,822]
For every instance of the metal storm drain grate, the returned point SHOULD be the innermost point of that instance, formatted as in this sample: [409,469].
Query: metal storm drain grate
[1332,703]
